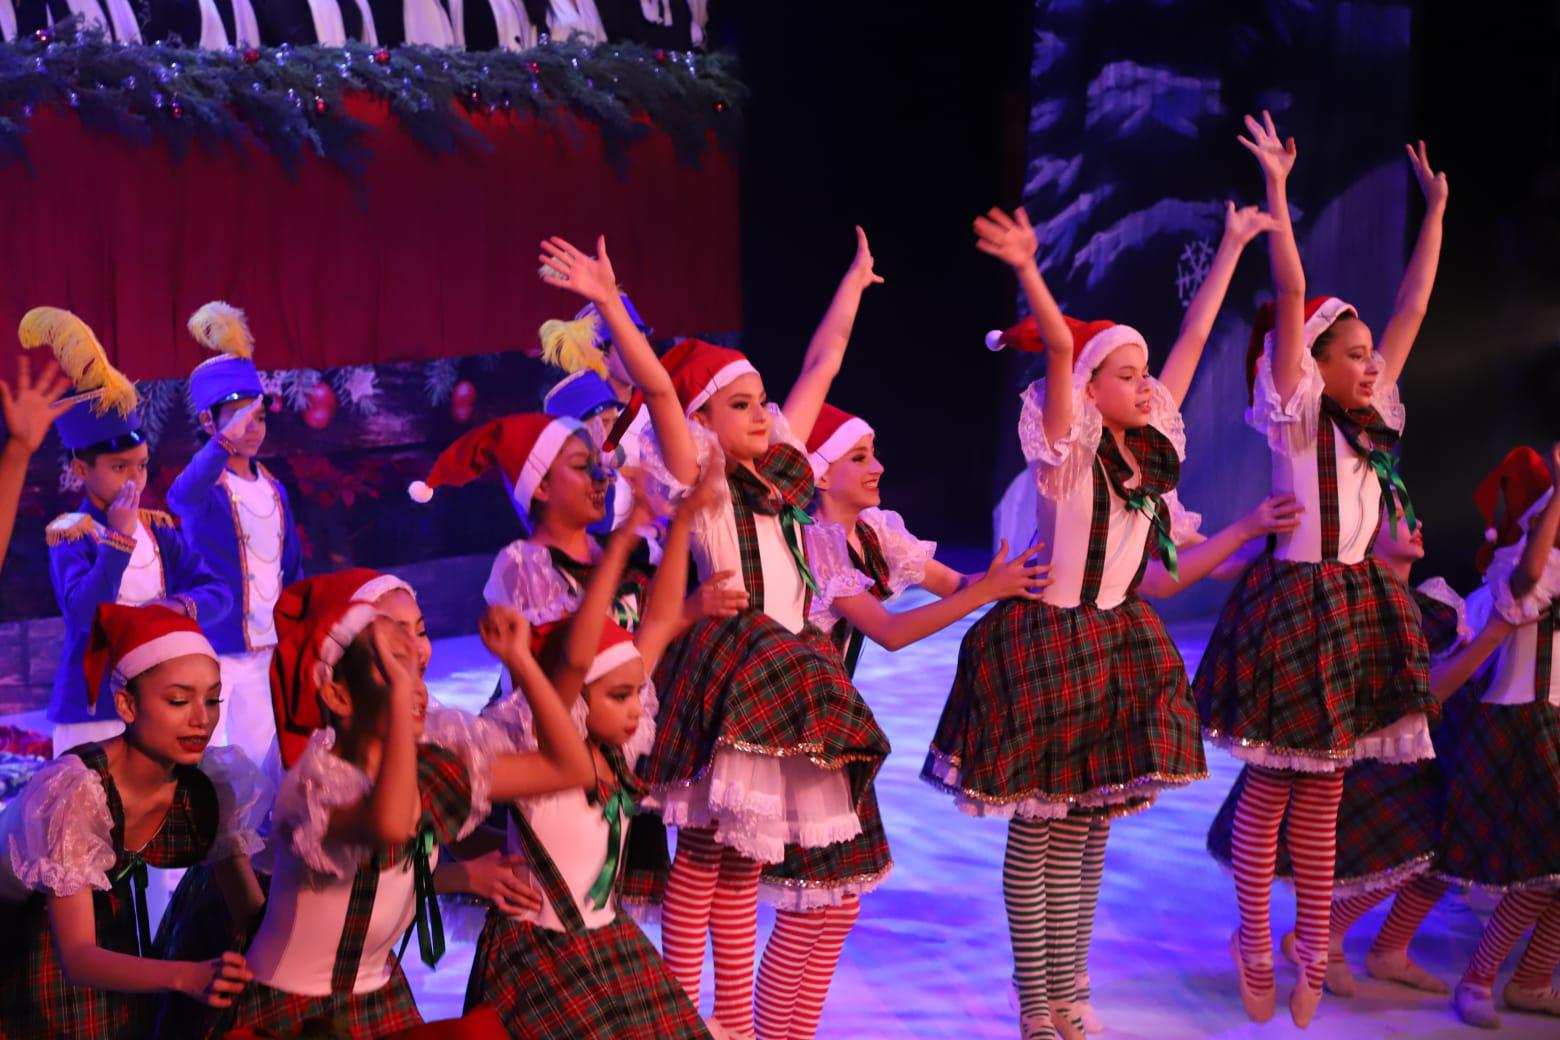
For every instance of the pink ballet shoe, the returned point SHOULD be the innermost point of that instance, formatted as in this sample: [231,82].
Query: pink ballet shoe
[1065,1018]
[1086,1013]
[1544,1001]
[1340,980]
[1304,1001]
[1475,1005]
[1258,1006]
[1037,1025]
[718,1031]
[1394,966]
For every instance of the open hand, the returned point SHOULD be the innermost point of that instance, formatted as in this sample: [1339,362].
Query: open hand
[394,655]
[1010,239]
[495,877]
[124,512]
[1015,578]
[590,276]
[861,274]
[715,599]
[216,982]
[33,406]
[244,420]
[1275,156]
[1274,515]
[1244,224]
[1431,183]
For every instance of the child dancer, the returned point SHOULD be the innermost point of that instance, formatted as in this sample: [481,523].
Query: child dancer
[1075,707]
[580,967]
[111,550]
[77,957]
[237,514]
[28,411]
[761,738]
[364,806]
[1318,659]
[1503,795]
[861,555]
[1389,819]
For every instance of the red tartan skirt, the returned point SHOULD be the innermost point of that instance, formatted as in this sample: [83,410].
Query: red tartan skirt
[1061,711]
[608,983]
[362,1016]
[1308,658]
[815,877]
[1502,827]
[746,686]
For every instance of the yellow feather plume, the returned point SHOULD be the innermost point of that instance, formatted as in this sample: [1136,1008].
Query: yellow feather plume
[573,345]
[80,354]
[221,327]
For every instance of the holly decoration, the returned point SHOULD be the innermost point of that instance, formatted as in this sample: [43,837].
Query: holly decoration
[463,401]
[320,406]
[382,56]
[251,55]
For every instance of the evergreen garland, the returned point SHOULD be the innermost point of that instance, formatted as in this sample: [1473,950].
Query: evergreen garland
[290,98]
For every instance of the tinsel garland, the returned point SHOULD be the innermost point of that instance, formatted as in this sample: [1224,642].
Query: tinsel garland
[291,98]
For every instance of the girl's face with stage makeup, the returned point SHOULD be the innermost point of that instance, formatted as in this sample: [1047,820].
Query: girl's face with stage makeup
[1120,388]
[614,709]
[574,491]
[1394,543]
[171,710]
[852,479]
[737,415]
[1348,363]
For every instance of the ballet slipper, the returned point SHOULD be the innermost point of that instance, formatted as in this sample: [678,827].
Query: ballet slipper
[1037,1025]
[1304,1001]
[718,1031]
[1064,1017]
[1475,1005]
[1394,966]
[1544,1001]
[1259,1007]
[1340,980]
[1086,1013]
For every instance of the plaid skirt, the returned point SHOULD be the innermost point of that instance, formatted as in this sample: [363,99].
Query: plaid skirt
[1307,658]
[646,866]
[815,877]
[196,927]
[362,1016]
[749,684]
[37,1002]
[1065,710]
[1502,828]
[608,983]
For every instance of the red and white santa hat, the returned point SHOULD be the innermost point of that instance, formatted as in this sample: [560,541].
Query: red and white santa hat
[1505,498]
[833,435]
[521,447]
[316,620]
[615,647]
[1320,314]
[1093,342]
[700,370]
[127,641]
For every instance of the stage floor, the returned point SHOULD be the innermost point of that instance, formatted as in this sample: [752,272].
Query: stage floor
[930,957]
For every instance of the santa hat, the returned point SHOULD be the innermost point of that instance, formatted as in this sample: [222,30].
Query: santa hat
[1092,342]
[616,647]
[700,370]
[1512,489]
[575,346]
[231,375]
[133,640]
[1320,314]
[112,423]
[521,447]
[316,620]
[835,433]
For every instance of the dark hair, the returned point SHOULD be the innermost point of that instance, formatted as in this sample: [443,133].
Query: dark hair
[355,670]
[1324,341]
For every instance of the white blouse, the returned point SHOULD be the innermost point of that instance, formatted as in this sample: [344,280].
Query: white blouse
[828,552]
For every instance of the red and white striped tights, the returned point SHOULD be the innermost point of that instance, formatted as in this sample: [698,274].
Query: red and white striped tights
[798,968]
[713,891]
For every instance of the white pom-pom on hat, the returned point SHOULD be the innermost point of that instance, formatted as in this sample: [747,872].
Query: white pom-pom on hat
[1490,535]
[994,340]
[419,491]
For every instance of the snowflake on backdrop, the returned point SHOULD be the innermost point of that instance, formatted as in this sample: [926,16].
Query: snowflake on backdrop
[69,482]
[1191,268]
[440,379]
[291,386]
[357,386]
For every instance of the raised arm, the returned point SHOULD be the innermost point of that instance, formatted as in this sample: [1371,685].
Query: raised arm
[592,277]
[826,351]
[1413,296]
[29,411]
[389,815]
[1196,562]
[1012,240]
[584,638]
[1277,158]
[187,493]
[1240,227]
[1448,676]
[665,615]
[561,759]
[1540,535]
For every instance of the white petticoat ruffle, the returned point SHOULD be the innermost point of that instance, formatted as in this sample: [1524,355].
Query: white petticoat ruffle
[57,834]
[244,796]
[802,898]
[758,804]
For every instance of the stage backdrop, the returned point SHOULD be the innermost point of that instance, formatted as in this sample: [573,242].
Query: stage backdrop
[1135,107]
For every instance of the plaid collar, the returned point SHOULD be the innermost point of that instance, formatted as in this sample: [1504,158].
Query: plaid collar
[787,472]
[1358,424]
[1157,461]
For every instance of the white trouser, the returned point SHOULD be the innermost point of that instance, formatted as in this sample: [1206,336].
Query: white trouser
[69,734]
[248,720]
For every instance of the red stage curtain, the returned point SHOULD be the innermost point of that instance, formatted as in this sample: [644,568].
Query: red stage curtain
[420,256]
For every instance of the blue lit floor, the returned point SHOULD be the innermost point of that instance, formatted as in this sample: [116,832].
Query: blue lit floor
[930,958]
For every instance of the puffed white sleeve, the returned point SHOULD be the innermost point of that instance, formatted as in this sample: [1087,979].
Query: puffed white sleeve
[828,554]
[244,796]
[1058,468]
[524,578]
[1289,425]
[58,832]
[659,482]
[906,554]
[316,786]
[1521,610]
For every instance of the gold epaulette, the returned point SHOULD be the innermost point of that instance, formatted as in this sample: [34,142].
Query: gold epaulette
[157,518]
[70,527]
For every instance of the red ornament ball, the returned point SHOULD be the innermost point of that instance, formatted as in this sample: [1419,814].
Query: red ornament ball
[533,67]
[319,104]
[720,108]
[463,401]
[320,406]
[43,36]
[660,57]
[251,55]
[382,56]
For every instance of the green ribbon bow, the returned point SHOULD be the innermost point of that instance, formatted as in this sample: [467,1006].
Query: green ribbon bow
[1148,505]
[792,520]
[135,870]
[429,921]
[624,614]
[1393,490]
[617,809]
